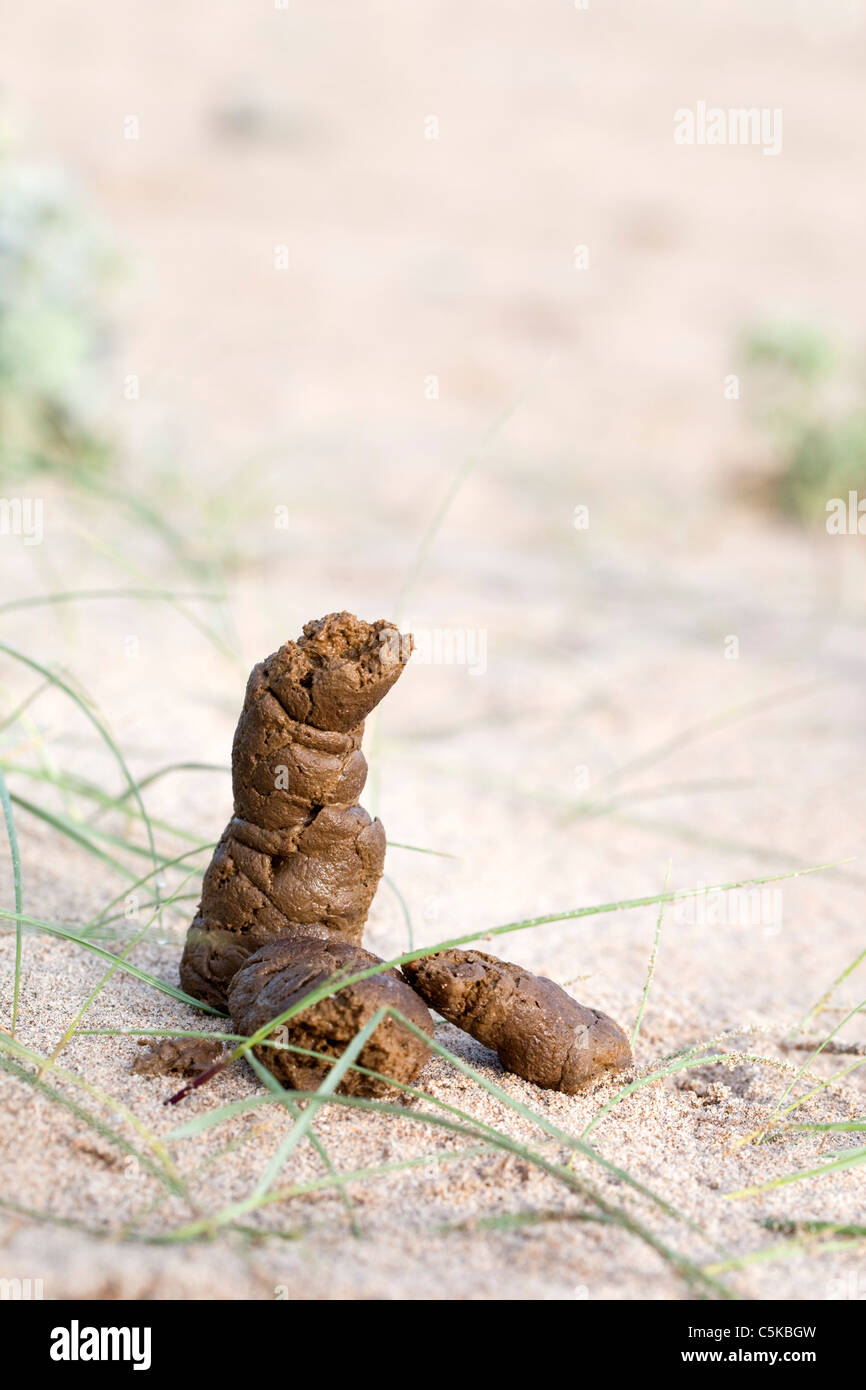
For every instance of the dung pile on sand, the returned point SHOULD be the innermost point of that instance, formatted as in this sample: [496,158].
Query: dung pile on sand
[286,895]
[539,1031]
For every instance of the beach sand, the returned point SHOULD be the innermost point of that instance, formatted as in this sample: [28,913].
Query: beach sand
[605,738]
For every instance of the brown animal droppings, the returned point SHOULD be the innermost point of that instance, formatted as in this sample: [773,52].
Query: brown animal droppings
[281,974]
[286,895]
[538,1031]
[298,850]
[334,675]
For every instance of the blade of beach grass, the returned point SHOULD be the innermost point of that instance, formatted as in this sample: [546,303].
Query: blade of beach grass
[663,790]
[33,738]
[176,600]
[120,960]
[12,837]
[176,898]
[164,772]
[419,849]
[305,1119]
[208,1224]
[515,1221]
[163,1171]
[219,1115]
[50,1218]
[425,544]
[130,1228]
[776,1063]
[689,1058]
[271,1083]
[827,1127]
[463,473]
[84,835]
[338,1180]
[682,1064]
[88,711]
[386,878]
[848,1160]
[67,934]
[710,724]
[166,1033]
[111,1103]
[89,791]
[722,719]
[138,507]
[652,965]
[691,836]
[22,708]
[784,1250]
[800,1071]
[75,595]
[341,1181]
[790,1228]
[827,995]
[823,1084]
[652,826]
[140,882]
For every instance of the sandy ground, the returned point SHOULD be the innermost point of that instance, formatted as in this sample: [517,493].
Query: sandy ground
[605,648]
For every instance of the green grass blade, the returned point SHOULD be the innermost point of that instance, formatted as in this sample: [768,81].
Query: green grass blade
[270,1081]
[827,995]
[81,835]
[117,964]
[848,1160]
[16,879]
[176,600]
[103,732]
[419,849]
[652,966]
[140,882]
[67,934]
[80,786]
[404,908]
[327,1088]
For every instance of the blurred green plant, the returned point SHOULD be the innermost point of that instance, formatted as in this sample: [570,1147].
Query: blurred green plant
[55,271]
[814,413]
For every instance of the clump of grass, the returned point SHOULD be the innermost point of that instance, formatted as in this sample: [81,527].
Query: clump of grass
[812,407]
[55,272]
